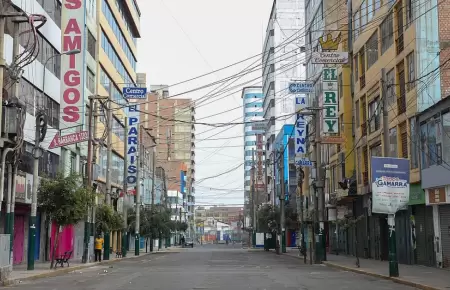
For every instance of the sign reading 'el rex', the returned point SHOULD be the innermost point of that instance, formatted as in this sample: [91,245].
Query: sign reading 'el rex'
[133,146]
[330,101]
[72,66]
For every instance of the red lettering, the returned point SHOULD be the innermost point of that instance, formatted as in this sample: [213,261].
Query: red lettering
[72,26]
[71,96]
[72,114]
[73,4]
[71,43]
[72,78]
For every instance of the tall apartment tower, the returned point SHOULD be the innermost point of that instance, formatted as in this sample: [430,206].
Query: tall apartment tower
[172,124]
[282,63]
[253,133]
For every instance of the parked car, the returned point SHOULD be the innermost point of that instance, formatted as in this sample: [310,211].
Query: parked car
[188,243]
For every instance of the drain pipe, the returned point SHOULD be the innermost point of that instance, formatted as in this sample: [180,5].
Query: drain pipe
[3,170]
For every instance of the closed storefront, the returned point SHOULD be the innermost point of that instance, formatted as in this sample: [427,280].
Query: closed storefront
[423,235]
[403,236]
[444,219]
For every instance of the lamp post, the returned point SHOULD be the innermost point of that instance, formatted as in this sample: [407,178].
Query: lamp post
[37,155]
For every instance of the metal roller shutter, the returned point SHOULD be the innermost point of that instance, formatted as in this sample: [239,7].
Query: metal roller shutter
[444,218]
[424,229]
[402,230]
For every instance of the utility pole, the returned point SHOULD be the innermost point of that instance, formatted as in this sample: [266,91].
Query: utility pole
[393,263]
[253,200]
[87,223]
[108,170]
[3,7]
[153,174]
[282,204]
[301,176]
[138,202]
[319,204]
[125,192]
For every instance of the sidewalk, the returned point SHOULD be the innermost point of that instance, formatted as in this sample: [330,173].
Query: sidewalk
[42,270]
[417,276]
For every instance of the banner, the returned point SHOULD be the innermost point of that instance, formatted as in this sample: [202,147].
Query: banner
[390,184]
[301,103]
[133,145]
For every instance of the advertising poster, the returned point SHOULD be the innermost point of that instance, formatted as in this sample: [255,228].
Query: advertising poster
[390,184]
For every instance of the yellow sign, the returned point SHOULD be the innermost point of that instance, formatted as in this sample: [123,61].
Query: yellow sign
[329,43]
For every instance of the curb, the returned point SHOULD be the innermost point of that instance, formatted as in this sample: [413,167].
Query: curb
[61,271]
[394,279]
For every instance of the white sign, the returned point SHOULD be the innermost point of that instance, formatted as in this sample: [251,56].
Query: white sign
[301,103]
[330,101]
[330,57]
[133,146]
[72,66]
[305,162]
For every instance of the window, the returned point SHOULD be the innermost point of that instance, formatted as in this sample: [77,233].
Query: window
[48,163]
[374,115]
[387,33]
[393,142]
[115,59]
[409,12]
[363,14]
[370,10]
[46,50]
[118,32]
[356,21]
[118,129]
[362,60]
[126,17]
[91,44]
[90,81]
[446,137]
[413,145]
[376,151]
[411,71]
[372,49]
[105,81]
[357,114]
[377,5]
[403,140]
[29,94]
[390,91]
[356,67]
[53,9]
[91,8]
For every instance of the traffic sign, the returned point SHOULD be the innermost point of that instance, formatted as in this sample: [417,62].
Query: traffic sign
[60,141]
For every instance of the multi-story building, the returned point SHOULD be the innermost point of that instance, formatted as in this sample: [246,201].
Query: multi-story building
[389,53]
[253,133]
[172,123]
[223,214]
[282,61]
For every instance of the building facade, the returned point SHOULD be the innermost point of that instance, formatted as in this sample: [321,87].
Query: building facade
[253,134]
[282,61]
[172,123]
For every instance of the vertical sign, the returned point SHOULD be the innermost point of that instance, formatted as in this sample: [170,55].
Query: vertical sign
[390,184]
[183,182]
[72,66]
[330,101]
[133,144]
[301,102]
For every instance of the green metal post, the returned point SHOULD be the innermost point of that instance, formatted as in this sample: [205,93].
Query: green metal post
[137,244]
[393,263]
[124,243]
[283,241]
[106,248]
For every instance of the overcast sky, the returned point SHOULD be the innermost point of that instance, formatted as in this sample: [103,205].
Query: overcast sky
[185,39]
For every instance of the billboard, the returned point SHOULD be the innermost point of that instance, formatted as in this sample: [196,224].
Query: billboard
[390,184]
[133,144]
[72,66]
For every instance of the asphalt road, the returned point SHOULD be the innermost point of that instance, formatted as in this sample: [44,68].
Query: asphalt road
[210,267]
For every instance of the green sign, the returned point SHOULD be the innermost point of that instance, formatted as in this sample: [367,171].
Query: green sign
[416,194]
[330,101]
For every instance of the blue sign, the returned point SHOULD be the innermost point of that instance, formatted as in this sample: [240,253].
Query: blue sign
[390,184]
[303,87]
[133,146]
[134,93]
[183,182]
[305,162]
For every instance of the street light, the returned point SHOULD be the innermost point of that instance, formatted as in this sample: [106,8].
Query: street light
[32,224]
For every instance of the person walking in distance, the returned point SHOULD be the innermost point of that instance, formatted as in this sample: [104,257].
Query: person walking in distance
[98,248]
